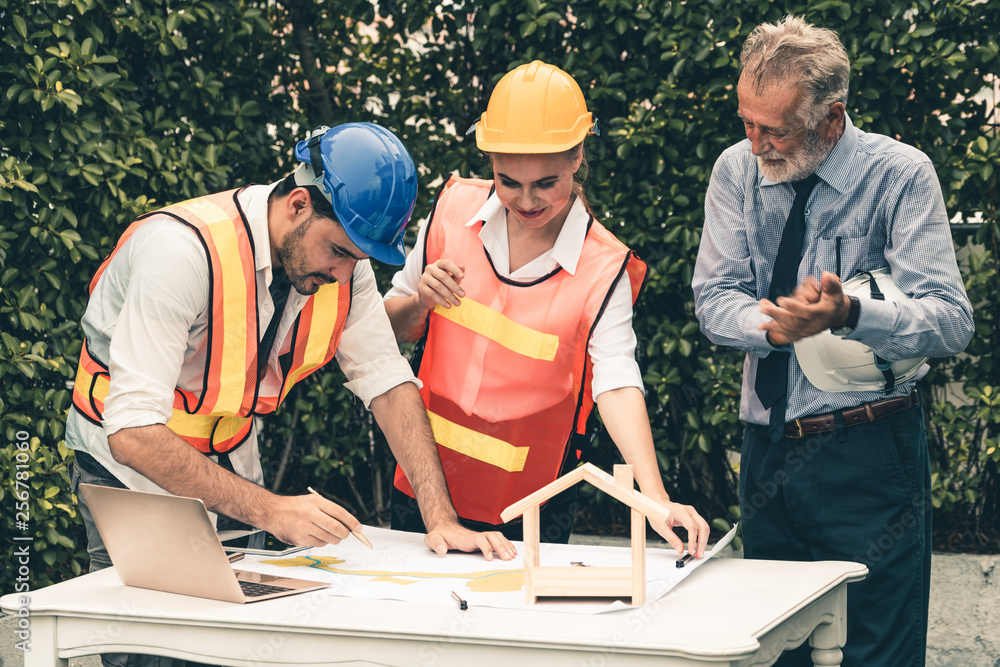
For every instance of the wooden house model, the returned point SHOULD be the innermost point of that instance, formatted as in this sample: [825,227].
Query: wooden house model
[571,581]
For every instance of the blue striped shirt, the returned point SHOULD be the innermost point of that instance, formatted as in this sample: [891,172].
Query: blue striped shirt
[878,203]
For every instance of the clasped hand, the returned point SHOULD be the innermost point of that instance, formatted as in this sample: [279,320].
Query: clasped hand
[815,305]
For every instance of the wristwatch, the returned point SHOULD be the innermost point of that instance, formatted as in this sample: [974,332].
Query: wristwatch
[852,318]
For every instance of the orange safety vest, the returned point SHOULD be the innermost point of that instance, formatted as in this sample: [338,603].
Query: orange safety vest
[506,375]
[218,418]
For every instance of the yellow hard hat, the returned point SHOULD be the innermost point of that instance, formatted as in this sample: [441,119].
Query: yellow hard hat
[535,108]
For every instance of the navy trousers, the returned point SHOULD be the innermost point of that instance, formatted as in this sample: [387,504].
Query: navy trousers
[856,494]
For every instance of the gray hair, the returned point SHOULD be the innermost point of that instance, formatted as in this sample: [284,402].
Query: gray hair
[799,53]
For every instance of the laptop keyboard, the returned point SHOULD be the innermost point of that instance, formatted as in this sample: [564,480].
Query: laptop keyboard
[252,590]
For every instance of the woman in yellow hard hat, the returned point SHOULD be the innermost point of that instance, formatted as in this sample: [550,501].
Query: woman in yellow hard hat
[524,303]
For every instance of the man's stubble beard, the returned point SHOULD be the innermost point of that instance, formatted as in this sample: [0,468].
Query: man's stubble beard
[292,254]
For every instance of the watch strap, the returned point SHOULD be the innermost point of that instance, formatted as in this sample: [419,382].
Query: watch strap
[851,323]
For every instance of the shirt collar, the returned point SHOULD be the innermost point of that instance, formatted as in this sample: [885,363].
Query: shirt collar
[565,252]
[836,169]
[254,202]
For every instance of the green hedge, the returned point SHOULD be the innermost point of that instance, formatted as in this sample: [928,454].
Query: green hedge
[108,110]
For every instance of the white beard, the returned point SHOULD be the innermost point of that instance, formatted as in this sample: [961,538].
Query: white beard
[798,165]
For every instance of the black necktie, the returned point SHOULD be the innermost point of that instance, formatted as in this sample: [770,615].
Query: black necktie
[771,382]
[279,295]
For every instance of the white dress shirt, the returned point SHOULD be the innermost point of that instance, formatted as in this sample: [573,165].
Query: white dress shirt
[147,319]
[612,347]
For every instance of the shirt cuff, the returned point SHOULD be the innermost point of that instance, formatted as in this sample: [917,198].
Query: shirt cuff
[133,417]
[377,377]
[757,338]
[876,322]
[615,373]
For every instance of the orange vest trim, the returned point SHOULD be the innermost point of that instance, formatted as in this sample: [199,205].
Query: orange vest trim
[506,375]
[219,417]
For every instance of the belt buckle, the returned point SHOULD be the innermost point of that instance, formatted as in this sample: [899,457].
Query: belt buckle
[798,426]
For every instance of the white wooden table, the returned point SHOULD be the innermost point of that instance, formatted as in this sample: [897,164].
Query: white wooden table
[728,612]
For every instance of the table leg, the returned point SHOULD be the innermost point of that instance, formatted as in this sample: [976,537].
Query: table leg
[42,651]
[829,637]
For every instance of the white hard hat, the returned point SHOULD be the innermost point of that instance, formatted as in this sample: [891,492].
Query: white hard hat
[836,364]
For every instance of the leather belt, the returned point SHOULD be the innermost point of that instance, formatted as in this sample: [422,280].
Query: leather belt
[866,413]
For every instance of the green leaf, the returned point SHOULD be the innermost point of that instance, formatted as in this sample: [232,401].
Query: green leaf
[20,26]
[721,524]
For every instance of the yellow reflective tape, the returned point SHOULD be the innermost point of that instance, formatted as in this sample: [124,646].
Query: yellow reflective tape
[324,319]
[192,426]
[229,427]
[102,386]
[477,445]
[500,329]
[233,374]
[82,381]
[200,426]
[319,329]
[181,423]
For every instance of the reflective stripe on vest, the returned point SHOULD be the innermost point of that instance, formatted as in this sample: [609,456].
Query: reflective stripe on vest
[506,374]
[219,417]
[501,330]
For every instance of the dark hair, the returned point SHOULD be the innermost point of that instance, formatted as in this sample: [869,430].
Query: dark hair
[578,177]
[321,205]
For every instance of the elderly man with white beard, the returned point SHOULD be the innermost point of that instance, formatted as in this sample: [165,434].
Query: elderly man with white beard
[838,472]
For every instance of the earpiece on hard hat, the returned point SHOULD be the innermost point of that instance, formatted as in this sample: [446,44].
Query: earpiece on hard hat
[535,108]
[369,178]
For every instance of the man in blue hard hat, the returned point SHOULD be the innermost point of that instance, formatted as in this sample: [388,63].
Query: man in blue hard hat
[208,312]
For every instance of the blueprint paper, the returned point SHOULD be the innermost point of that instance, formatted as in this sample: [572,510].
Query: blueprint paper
[400,567]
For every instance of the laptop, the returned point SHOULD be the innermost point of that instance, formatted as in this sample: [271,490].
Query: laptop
[167,543]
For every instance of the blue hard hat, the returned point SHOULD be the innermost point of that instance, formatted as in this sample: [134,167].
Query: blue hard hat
[368,176]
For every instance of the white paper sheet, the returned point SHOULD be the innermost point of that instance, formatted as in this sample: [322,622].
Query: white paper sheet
[400,567]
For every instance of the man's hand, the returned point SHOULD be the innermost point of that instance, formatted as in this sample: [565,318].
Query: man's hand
[308,521]
[403,418]
[688,518]
[184,471]
[452,535]
[811,308]
[440,285]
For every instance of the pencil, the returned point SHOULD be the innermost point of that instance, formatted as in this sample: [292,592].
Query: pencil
[355,533]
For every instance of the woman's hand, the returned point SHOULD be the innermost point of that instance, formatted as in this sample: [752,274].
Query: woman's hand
[688,518]
[440,285]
